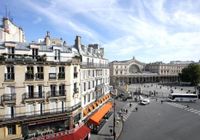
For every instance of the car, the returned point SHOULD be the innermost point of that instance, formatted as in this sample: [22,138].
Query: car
[144,101]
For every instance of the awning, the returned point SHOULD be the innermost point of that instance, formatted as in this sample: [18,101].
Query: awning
[85,112]
[80,134]
[97,117]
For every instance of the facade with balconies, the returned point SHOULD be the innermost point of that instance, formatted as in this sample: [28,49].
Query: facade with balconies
[94,79]
[39,88]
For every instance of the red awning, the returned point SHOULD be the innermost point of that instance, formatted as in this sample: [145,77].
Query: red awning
[80,134]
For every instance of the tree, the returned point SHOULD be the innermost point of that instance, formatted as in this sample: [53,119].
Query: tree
[191,74]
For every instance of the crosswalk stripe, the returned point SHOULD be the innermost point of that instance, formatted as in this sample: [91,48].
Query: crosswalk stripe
[192,110]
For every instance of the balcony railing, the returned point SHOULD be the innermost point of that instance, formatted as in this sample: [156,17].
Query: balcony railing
[22,58]
[75,74]
[52,76]
[9,76]
[56,93]
[34,95]
[39,76]
[37,114]
[61,75]
[8,97]
[29,76]
[94,65]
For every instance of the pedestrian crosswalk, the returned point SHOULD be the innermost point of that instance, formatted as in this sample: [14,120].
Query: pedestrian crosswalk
[129,111]
[184,107]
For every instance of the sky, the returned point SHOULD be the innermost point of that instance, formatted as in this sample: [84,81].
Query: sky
[149,30]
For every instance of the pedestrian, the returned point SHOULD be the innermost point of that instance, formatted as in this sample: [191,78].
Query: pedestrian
[136,109]
[126,111]
[130,104]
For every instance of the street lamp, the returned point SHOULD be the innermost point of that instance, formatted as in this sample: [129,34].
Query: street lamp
[114,134]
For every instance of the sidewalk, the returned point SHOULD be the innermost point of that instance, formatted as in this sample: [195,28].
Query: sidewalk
[104,133]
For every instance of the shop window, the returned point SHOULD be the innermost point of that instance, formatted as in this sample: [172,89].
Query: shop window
[11,129]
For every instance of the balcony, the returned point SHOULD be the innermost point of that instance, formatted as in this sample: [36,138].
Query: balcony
[38,115]
[8,98]
[29,76]
[39,76]
[9,76]
[75,74]
[33,96]
[93,65]
[61,75]
[22,58]
[52,76]
[56,94]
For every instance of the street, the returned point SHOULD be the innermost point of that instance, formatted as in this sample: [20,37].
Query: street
[158,121]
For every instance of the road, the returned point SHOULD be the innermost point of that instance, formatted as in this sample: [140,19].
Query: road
[158,121]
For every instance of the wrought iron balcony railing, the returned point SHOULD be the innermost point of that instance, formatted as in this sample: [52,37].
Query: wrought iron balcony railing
[33,95]
[29,76]
[22,58]
[61,75]
[39,76]
[8,97]
[94,65]
[56,93]
[38,114]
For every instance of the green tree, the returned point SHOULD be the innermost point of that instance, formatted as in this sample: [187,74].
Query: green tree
[191,74]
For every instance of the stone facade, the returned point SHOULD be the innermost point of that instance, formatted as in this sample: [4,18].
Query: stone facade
[133,71]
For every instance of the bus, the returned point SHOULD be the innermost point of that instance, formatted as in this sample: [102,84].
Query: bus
[183,97]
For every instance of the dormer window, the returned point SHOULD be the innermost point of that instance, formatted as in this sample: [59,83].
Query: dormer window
[57,54]
[34,52]
[11,52]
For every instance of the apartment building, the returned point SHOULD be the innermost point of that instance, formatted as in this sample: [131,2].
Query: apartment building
[94,83]
[39,86]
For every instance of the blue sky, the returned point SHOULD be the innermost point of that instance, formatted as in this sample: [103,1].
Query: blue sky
[150,30]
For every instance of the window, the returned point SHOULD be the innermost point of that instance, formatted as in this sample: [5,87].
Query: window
[40,91]
[57,54]
[93,84]
[30,91]
[29,73]
[62,89]
[52,73]
[11,129]
[11,52]
[93,73]
[10,75]
[88,85]
[84,86]
[75,88]
[34,53]
[75,72]
[61,74]
[88,97]
[53,90]
[85,99]
[40,74]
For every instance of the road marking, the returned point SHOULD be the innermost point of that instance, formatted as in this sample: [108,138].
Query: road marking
[192,110]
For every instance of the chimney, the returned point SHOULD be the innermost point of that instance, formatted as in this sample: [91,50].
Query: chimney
[47,39]
[78,43]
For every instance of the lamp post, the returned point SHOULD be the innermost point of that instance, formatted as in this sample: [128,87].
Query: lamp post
[114,134]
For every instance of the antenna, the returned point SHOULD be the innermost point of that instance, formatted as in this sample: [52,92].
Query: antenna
[6,10]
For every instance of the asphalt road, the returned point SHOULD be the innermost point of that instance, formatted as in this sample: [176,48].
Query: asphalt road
[158,121]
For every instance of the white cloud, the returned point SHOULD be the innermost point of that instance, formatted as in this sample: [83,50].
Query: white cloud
[150,30]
